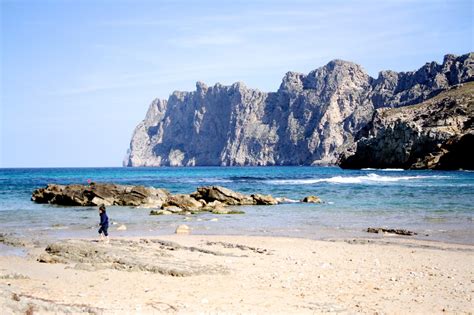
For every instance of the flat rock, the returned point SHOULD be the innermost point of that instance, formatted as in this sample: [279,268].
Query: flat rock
[144,255]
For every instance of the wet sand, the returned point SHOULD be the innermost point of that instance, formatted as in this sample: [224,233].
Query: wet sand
[238,274]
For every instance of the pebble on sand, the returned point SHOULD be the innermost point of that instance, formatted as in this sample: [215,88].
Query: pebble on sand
[183,229]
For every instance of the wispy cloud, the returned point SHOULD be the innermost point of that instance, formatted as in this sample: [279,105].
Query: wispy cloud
[212,39]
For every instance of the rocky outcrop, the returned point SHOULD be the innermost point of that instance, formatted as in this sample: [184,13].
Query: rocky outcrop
[436,134]
[97,194]
[306,122]
[213,199]
[133,256]
[223,195]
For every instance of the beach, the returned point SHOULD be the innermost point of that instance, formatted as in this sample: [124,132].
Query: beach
[289,258]
[237,275]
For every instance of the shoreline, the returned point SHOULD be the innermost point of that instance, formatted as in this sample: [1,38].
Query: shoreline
[241,274]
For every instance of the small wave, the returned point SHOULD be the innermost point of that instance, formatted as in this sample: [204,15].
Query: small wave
[245,178]
[383,169]
[369,178]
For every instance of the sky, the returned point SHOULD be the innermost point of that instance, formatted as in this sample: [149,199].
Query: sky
[78,76]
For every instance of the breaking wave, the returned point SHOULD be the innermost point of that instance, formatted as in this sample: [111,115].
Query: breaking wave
[366,179]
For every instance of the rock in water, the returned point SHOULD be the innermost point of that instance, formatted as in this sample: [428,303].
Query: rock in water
[308,121]
[391,231]
[311,199]
[183,229]
[100,194]
[264,199]
[223,195]
[436,134]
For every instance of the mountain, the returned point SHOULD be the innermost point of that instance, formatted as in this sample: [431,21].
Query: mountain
[436,134]
[310,120]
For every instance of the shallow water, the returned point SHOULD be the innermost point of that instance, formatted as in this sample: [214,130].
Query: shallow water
[437,203]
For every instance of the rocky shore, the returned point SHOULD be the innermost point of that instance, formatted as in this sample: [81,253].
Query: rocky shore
[213,199]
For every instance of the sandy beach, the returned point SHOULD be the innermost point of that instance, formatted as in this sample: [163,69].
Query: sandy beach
[238,275]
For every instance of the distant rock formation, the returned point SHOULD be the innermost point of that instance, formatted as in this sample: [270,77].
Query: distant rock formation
[436,134]
[306,122]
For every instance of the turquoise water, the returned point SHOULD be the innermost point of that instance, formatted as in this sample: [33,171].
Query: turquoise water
[436,203]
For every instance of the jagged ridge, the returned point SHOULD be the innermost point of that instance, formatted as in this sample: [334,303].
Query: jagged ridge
[435,134]
[306,122]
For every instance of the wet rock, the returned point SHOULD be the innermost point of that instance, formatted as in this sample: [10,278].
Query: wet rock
[391,231]
[264,199]
[222,210]
[311,199]
[160,212]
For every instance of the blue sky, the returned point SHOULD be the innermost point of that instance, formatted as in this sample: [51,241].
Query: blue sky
[78,76]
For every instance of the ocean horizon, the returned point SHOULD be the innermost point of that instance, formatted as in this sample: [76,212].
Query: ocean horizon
[435,204]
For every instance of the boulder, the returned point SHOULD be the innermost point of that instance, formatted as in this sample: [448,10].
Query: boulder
[222,194]
[184,202]
[264,199]
[311,199]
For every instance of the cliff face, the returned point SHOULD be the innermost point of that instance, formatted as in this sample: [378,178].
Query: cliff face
[438,134]
[308,121]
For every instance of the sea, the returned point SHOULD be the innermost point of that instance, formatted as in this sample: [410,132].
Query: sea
[437,205]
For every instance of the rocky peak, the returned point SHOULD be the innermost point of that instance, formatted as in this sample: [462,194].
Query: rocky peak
[292,81]
[307,121]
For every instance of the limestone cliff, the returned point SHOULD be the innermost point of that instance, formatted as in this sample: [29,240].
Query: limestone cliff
[306,122]
[437,134]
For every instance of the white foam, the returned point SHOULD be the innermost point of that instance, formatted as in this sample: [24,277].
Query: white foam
[384,169]
[366,179]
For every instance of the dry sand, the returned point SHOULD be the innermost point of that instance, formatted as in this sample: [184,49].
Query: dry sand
[240,274]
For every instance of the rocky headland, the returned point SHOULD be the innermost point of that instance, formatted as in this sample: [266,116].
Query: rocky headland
[310,120]
[435,134]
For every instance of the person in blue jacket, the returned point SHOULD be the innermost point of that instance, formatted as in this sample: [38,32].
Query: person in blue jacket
[104,224]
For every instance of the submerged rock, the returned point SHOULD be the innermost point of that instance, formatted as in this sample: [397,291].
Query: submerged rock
[391,231]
